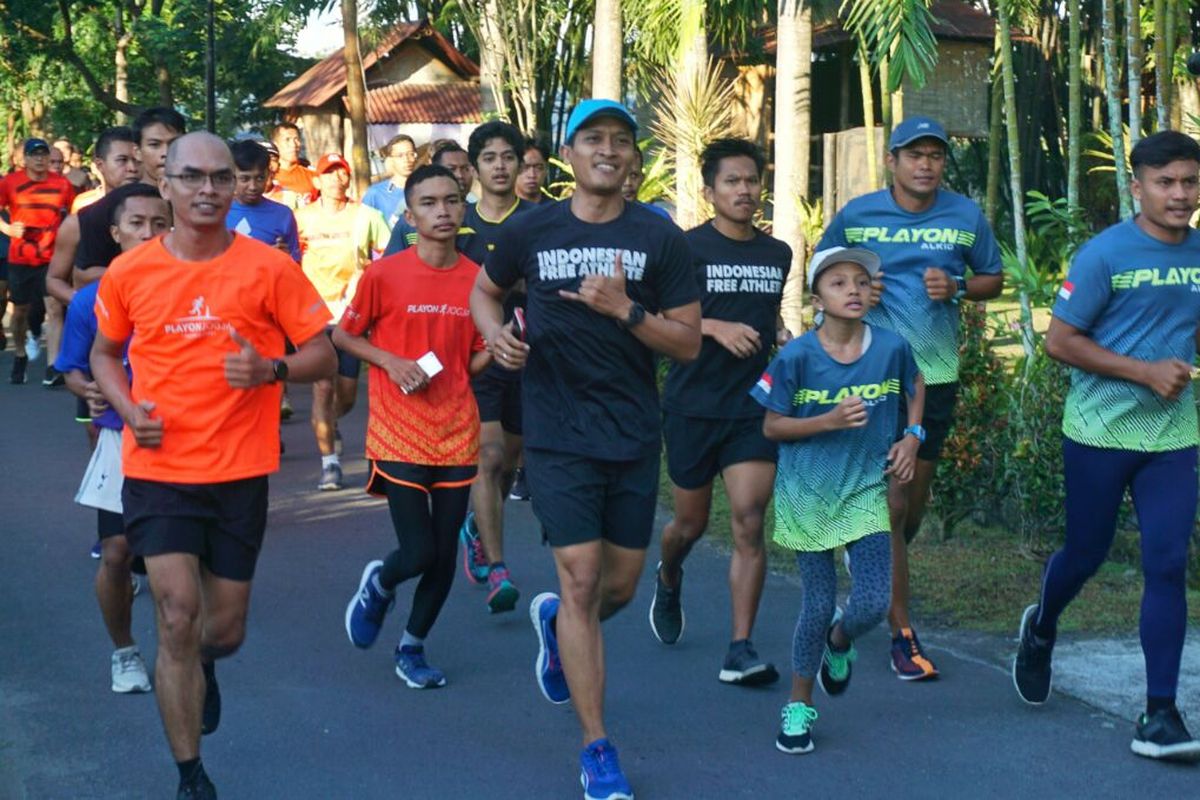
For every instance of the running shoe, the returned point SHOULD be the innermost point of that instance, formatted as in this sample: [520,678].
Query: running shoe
[1031,670]
[136,584]
[795,729]
[475,563]
[32,348]
[548,669]
[666,611]
[743,667]
[909,661]
[367,608]
[211,718]
[95,551]
[20,363]
[1163,735]
[54,379]
[129,671]
[502,595]
[836,665]
[285,409]
[198,788]
[600,773]
[411,666]
[519,490]
[331,478]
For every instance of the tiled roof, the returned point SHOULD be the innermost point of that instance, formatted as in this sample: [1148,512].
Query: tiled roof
[425,102]
[327,78]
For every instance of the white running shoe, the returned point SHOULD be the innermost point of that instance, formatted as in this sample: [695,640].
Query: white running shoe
[129,671]
[32,348]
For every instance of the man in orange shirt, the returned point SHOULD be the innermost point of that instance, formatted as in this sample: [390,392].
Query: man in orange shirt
[37,201]
[296,184]
[411,321]
[338,238]
[205,312]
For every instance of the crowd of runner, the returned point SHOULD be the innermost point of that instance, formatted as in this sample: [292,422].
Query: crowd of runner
[512,343]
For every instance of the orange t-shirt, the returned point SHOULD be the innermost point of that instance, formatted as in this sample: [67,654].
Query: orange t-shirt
[409,308]
[295,186]
[41,206]
[178,314]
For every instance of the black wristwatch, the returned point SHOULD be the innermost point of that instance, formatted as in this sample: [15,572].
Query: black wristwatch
[637,313]
[960,287]
[279,370]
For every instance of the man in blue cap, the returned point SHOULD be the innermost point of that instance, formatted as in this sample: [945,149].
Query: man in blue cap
[928,238]
[610,285]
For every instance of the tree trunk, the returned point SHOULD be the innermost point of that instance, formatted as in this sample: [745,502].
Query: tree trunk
[1112,88]
[693,44]
[491,60]
[868,103]
[606,50]
[1171,41]
[1162,72]
[356,97]
[1074,102]
[793,123]
[995,136]
[1133,52]
[1014,166]
[121,63]
[166,91]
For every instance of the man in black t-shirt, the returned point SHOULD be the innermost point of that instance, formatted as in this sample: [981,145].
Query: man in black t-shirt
[494,151]
[711,424]
[610,284]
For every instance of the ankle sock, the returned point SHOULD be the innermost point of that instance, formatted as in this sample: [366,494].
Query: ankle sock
[329,461]
[408,640]
[497,565]
[379,586]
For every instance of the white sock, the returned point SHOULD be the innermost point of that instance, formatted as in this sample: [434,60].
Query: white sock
[329,461]
[408,640]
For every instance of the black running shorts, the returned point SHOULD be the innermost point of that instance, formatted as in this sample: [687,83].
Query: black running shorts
[940,401]
[579,499]
[499,400]
[698,448]
[418,476]
[347,365]
[221,523]
[26,285]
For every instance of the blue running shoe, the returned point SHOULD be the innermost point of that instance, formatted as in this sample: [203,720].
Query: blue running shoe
[475,563]
[368,607]
[600,773]
[96,553]
[549,671]
[411,666]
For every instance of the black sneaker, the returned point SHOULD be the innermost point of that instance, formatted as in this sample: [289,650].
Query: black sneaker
[1031,670]
[837,666]
[198,787]
[743,667]
[666,613]
[18,369]
[519,490]
[1164,736]
[54,379]
[212,702]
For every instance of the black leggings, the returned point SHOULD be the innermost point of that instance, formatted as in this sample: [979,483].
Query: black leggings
[426,526]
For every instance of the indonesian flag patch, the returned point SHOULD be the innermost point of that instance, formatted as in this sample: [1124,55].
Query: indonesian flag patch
[764,383]
[1065,291]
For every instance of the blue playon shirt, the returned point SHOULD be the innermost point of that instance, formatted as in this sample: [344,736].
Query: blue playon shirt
[266,221]
[830,488]
[78,335]
[1139,297]
[951,235]
[388,199]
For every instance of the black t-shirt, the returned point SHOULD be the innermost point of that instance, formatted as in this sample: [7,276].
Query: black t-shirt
[589,385]
[476,238]
[740,281]
[96,245]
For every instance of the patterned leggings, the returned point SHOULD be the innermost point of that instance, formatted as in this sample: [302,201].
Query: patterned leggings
[870,596]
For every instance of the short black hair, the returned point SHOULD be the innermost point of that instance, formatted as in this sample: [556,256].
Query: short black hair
[729,147]
[494,130]
[386,150]
[446,146]
[123,193]
[422,174]
[158,115]
[1160,149]
[539,144]
[284,126]
[249,154]
[104,142]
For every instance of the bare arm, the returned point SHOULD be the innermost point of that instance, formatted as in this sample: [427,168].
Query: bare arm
[487,311]
[109,373]
[312,361]
[404,372]
[849,413]
[59,275]
[1068,344]
[941,287]
[902,457]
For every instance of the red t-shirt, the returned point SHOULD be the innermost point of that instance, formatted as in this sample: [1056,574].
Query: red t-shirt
[408,308]
[41,206]
[179,314]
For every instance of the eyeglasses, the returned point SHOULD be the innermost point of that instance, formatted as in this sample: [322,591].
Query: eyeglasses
[194,179]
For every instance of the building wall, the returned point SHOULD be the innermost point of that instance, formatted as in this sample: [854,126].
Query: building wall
[410,63]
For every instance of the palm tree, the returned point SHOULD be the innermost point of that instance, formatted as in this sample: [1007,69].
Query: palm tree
[1112,87]
[356,97]
[1074,102]
[606,50]
[793,123]
[1133,52]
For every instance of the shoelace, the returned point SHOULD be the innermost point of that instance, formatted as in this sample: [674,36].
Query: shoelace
[604,761]
[477,556]
[127,662]
[798,715]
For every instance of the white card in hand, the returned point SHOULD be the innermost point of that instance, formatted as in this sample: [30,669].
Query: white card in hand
[429,364]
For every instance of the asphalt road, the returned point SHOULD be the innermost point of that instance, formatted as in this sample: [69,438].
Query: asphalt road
[306,715]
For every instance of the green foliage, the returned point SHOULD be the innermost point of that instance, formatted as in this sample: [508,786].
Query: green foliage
[1055,232]
[900,31]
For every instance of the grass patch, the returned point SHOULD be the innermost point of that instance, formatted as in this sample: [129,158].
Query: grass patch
[981,580]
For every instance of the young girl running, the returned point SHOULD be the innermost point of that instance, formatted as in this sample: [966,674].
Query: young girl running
[833,399]
[410,320]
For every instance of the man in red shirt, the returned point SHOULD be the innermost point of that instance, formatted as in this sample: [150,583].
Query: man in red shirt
[37,201]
